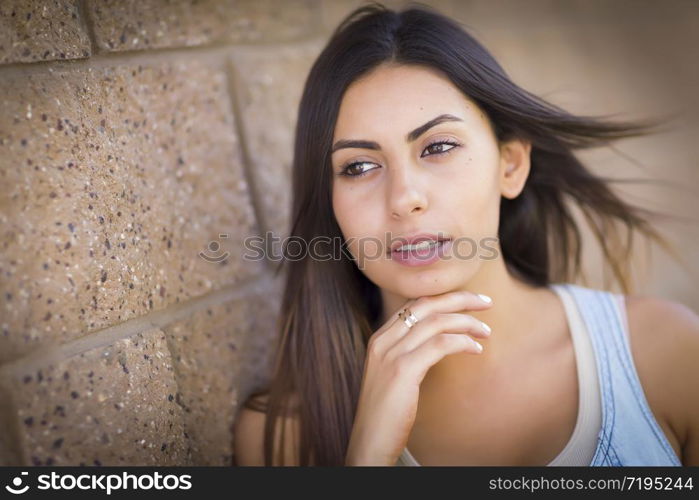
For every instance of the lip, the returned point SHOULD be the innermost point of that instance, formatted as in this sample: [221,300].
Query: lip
[415,238]
[424,257]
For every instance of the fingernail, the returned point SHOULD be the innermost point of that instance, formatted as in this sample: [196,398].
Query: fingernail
[485,298]
[487,328]
[479,346]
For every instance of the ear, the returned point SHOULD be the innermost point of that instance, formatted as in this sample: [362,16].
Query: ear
[515,163]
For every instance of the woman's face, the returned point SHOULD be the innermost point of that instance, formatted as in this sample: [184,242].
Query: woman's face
[444,180]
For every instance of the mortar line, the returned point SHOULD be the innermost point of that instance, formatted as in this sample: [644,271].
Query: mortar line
[103,59]
[86,22]
[158,319]
[240,130]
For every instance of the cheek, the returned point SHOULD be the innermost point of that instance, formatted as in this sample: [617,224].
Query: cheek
[472,200]
[472,189]
[340,209]
[351,209]
[347,217]
[358,223]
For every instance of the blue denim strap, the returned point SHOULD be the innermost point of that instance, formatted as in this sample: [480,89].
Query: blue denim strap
[630,434]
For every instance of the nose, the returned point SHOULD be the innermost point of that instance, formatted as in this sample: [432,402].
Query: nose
[406,196]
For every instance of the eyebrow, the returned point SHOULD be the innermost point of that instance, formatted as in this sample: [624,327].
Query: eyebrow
[364,144]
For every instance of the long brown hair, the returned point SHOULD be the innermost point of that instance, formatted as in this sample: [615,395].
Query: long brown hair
[329,308]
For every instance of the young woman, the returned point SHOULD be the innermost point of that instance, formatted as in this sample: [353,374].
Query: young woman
[473,347]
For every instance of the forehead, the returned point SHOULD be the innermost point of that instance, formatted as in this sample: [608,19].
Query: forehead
[399,98]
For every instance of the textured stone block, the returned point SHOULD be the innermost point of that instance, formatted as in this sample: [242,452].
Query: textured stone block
[269,86]
[35,30]
[113,405]
[114,180]
[221,355]
[137,24]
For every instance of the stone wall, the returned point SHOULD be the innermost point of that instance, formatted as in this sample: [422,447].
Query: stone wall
[141,141]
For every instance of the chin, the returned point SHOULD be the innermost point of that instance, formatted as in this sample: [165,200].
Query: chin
[425,283]
[434,281]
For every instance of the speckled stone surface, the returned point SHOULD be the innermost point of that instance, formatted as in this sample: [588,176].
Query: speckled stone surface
[36,30]
[114,181]
[10,453]
[138,24]
[220,355]
[269,85]
[113,405]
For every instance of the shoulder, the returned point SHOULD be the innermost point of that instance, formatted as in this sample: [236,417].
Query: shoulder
[249,431]
[664,340]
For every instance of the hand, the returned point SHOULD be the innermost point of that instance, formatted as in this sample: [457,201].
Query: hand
[398,358]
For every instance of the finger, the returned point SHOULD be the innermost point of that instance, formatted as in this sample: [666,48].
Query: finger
[440,323]
[376,341]
[395,316]
[450,302]
[426,355]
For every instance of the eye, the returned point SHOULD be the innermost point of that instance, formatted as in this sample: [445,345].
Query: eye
[356,164]
[440,150]
[437,148]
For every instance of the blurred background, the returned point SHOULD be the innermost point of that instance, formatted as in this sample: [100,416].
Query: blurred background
[142,141]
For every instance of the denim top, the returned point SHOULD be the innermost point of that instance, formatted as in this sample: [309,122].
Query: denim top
[630,434]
